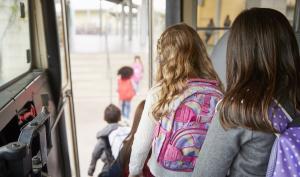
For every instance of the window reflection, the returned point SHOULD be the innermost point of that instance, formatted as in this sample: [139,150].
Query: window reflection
[214,17]
[15,54]
[61,37]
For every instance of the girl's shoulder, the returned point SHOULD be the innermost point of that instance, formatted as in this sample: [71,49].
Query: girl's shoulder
[202,82]
[211,86]
[153,91]
[152,96]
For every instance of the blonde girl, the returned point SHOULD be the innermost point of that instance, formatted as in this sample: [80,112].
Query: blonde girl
[183,99]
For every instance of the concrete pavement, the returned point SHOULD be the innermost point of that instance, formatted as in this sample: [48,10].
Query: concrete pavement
[91,87]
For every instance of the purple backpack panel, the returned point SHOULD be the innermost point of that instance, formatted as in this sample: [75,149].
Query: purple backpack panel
[179,136]
[285,156]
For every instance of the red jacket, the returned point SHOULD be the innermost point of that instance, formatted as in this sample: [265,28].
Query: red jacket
[125,89]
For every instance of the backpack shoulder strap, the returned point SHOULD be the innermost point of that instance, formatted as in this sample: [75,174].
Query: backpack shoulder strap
[292,113]
[190,91]
[106,141]
[296,120]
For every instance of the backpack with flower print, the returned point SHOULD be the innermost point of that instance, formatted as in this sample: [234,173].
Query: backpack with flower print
[178,139]
[285,155]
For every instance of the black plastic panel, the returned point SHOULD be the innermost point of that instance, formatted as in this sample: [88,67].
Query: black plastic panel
[10,92]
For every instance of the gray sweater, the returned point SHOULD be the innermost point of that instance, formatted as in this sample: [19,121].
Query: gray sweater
[102,149]
[236,152]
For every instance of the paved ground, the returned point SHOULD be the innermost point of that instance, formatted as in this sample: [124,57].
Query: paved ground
[92,94]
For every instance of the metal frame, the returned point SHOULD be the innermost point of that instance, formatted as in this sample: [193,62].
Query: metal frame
[213,28]
[54,72]
[52,42]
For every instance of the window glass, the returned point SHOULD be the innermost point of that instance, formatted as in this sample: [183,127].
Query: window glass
[158,27]
[61,37]
[14,40]
[214,17]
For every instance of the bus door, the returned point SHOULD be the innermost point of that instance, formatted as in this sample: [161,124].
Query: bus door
[37,127]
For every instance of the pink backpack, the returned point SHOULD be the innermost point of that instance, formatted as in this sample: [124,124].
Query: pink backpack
[178,140]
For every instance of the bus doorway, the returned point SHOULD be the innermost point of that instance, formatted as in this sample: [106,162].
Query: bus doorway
[105,36]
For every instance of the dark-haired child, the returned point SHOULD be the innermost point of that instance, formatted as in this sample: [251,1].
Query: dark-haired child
[252,133]
[126,89]
[103,148]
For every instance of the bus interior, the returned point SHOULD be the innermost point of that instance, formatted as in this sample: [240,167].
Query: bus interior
[44,56]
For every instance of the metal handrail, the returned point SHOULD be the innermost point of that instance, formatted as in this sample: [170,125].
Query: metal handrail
[212,28]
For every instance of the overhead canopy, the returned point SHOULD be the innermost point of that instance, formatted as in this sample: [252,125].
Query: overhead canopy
[115,1]
[110,5]
[126,2]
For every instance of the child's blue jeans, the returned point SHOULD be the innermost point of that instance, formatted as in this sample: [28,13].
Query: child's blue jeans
[126,109]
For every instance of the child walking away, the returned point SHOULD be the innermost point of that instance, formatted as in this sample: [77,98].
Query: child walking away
[179,108]
[262,99]
[125,89]
[103,148]
[138,70]
[120,166]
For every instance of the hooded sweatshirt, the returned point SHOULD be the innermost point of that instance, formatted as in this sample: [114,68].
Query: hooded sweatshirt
[102,149]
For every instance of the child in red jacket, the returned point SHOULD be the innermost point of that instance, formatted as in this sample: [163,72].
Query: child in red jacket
[125,89]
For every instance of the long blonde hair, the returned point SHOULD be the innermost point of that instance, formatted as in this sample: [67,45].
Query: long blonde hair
[182,55]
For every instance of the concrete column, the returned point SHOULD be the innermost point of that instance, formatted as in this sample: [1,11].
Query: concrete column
[143,22]
[117,23]
[173,12]
[217,20]
[100,18]
[190,12]
[218,13]
[123,21]
[130,20]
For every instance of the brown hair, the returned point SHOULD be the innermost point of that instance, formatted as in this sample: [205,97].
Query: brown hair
[182,55]
[112,114]
[262,64]
[125,72]
[127,143]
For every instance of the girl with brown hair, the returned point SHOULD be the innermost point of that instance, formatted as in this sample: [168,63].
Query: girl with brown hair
[179,108]
[263,68]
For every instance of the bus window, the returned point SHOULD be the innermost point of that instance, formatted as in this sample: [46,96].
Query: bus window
[15,56]
[215,17]
[61,29]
